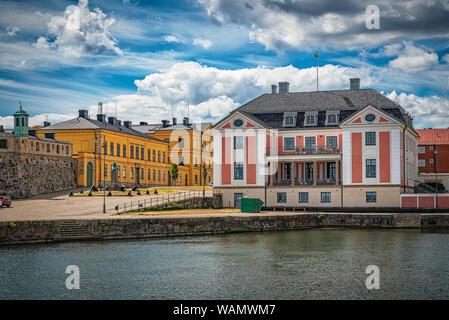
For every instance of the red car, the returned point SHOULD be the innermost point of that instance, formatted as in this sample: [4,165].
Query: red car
[5,201]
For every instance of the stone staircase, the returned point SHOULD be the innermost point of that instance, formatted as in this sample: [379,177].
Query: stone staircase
[71,229]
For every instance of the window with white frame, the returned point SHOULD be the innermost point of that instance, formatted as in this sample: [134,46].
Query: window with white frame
[238,170]
[310,143]
[289,143]
[371,168]
[332,117]
[370,138]
[331,142]
[238,142]
[310,118]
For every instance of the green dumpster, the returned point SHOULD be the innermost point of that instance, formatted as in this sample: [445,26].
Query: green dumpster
[251,205]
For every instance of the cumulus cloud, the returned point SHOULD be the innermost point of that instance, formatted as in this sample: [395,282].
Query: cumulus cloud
[171,38]
[431,111]
[414,59]
[79,31]
[12,30]
[446,57]
[37,120]
[205,43]
[287,24]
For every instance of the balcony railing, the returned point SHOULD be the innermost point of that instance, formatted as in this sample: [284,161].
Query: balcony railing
[306,182]
[305,150]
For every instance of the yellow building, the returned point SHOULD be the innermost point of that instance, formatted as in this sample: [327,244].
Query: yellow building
[190,145]
[141,159]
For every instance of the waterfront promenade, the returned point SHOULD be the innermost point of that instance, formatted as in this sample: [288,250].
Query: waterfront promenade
[59,206]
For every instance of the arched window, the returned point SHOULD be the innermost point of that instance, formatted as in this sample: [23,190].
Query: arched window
[48,147]
[17,122]
[57,148]
[23,122]
[37,146]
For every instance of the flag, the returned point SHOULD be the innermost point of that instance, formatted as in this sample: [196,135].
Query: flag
[316,54]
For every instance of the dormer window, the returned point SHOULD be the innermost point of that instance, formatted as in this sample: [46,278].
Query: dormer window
[332,118]
[289,119]
[310,118]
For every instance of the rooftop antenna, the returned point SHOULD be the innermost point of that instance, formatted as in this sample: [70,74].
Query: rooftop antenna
[172,113]
[116,106]
[188,103]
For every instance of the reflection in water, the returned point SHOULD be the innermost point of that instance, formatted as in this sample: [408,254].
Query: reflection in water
[303,264]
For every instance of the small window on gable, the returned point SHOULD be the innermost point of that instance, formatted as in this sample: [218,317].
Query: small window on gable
[332,117]
[310,118]
[289,119]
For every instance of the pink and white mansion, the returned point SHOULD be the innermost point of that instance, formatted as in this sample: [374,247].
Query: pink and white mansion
[339,148]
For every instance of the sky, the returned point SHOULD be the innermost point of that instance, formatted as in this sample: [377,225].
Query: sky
[149,60]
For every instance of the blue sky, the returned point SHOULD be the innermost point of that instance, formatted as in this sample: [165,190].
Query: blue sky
[206,57]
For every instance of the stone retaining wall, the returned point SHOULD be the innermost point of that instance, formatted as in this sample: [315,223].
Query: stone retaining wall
[435,221]
[23,176]
[105,229]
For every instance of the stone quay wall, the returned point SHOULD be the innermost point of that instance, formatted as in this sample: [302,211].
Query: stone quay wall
[27,175]
[148,227]
[435,221]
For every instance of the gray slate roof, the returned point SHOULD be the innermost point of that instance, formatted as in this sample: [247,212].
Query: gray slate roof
[269,108]
[158,127]
[90,124]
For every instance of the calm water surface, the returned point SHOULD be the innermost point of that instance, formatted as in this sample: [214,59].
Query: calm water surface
[304,264]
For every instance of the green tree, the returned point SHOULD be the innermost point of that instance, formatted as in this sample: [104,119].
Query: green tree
[174,173]
[204,179]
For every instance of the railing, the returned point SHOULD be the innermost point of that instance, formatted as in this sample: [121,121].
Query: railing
[300,151]
[306,182]
[156,200]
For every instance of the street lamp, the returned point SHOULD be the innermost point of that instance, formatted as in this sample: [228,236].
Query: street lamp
[436,176]
[104,173]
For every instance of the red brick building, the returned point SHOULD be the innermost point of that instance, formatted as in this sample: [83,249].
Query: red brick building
[433,155]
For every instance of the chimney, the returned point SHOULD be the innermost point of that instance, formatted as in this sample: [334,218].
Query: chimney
[50,135]
[1,129]
[127,124]
[31,132]
[101,117]
[175,122]
[185,121]
[47,124]
[283,87]
[112,120]
[354,83]
[274,89]
[143,123]
[83,114]
[119,122]
[165,123]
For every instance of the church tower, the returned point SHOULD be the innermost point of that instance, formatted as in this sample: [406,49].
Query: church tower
[20,122]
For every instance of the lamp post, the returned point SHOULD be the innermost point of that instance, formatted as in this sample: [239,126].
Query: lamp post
[104,174]
[436,175]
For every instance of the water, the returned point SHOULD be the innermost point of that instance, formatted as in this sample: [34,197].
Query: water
[303,264]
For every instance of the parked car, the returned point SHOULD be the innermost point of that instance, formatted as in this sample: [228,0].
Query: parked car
[5,201]
[211,184]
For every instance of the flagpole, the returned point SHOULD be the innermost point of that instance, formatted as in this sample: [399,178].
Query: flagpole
[316,54]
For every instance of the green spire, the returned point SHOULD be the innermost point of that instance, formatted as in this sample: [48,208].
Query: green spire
[20,122]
